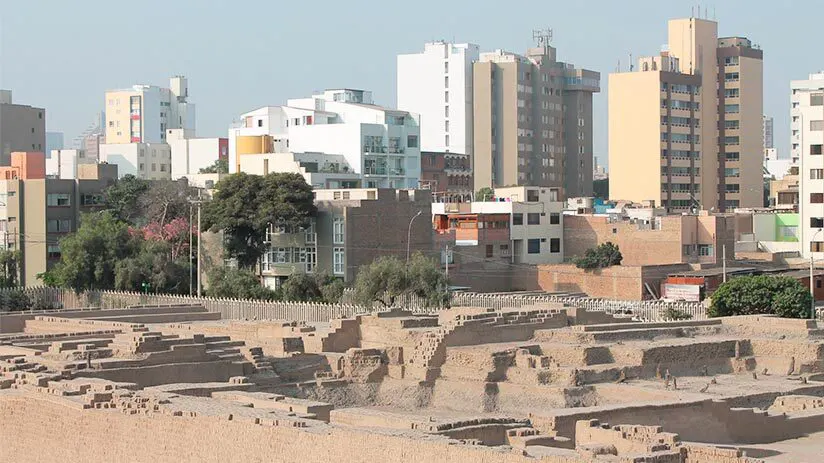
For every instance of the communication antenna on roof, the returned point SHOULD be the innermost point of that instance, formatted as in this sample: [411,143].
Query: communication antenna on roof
[631,66]
[542,37]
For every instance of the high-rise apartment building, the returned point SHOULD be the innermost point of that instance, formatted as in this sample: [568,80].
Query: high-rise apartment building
[533,121]
[807,139]
[685,128]
[143,113]
[437,85]
[22,128]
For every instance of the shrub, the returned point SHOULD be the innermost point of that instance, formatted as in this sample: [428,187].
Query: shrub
[761,294]
[605,255]
[675,314]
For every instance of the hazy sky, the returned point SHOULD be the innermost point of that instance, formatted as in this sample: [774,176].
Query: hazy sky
[238,56]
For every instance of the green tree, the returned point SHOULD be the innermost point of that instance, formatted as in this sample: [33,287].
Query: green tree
[485,194]
[238,284]
[603,256]
[153,265]
[123,198]
[89,256]
[221,166]
[9,268]
[319,287]
[387,278]
[761,294]
[12,299]
[244,206]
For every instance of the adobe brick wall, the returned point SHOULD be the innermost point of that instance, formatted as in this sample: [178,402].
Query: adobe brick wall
[618,282]
[37,430]
[639,247]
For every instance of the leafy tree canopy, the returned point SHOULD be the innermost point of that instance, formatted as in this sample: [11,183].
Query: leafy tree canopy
[603,256]
[388,277]
[221,166]
[485,194]
[761,294]
[319,287]
[238,284]
[244,206]
[123,198]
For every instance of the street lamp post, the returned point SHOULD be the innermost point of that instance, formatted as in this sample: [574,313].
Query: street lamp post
[409,235]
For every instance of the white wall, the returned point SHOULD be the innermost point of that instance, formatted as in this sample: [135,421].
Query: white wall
[150,112]
[421,87]
[130,161]
[801,138]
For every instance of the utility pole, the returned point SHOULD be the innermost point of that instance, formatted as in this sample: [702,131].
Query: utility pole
[191,252]
[724,260]
[199,203]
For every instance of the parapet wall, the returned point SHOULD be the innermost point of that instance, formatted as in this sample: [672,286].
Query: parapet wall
[105,435]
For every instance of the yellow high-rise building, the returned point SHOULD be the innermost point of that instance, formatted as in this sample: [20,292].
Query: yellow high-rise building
[685,126]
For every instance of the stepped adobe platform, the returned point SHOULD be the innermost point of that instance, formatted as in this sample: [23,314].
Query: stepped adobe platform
[544,383]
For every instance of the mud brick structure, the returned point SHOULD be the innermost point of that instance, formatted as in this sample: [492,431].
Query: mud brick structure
[546,383]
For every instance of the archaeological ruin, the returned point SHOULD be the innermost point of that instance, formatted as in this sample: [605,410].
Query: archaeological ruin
[549,383]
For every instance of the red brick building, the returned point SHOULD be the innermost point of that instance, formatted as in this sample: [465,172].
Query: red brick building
[447,175]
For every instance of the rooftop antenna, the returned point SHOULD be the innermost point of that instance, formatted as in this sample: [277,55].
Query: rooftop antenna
[631,66]
[542,37]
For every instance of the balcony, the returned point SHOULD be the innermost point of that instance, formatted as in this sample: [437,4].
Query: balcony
[398,171]
[395,150]
[368,149]
[374,171]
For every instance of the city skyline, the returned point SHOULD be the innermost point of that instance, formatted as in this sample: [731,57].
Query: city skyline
[228,77]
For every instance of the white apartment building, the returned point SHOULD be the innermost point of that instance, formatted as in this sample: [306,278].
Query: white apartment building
[150,161]
[807,138]
[382,145]
[321,170]
[189,155]
[143,113]
[437,85]
[63,164]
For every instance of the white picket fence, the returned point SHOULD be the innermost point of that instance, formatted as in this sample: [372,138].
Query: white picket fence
[243,309]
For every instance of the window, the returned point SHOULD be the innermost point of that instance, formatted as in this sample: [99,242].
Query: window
[91,199]
[731,93]
[309,233]
[554,218]
[446,81]
[311,259]
[816,222]
[731,108]
[732,172]
[517,219]
[732,76]
[58,199]
[338,265]
[283,256]
[446,66]
[732,124]
[163,167]
[816,174]
[815,149]
[731,61]
[53,251]
[446,140]
[59,225]
[154,167]
[412,141]
[533,218]
[817,126]
[446,97]
[446,126]
[731,140]
[489,250]
[338,230]
[142,166]
[732,156]
[555,245]
[817,99]
[817,246]
[732,188]
[817,198]
[534,246]
[446,111]
[260,122]
[705,250]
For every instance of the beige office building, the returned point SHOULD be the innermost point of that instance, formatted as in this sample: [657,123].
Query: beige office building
[685,127]
[533,122]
